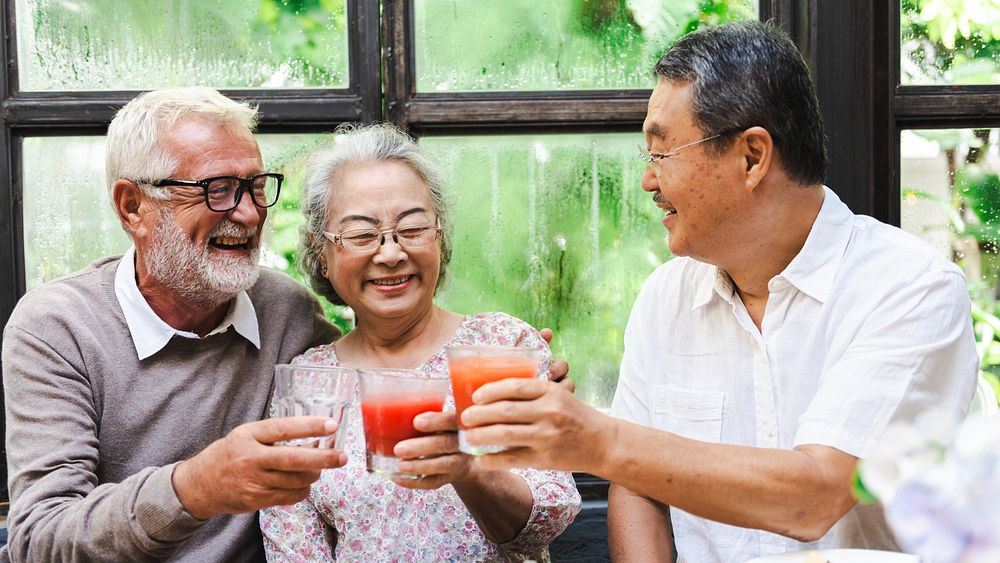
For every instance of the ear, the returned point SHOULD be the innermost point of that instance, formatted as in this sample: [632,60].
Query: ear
[130,204]
[757,152]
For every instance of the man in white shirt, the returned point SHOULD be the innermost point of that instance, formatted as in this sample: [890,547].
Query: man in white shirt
[767,358]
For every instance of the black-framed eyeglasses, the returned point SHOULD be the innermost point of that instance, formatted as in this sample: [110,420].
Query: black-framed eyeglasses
[367,240]
[223,193]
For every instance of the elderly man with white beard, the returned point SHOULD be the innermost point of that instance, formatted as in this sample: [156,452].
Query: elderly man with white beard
[135,386]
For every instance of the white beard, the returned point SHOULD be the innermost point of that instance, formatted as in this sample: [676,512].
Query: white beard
[197,274]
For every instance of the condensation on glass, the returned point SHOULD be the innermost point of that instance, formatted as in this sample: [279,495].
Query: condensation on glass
[69,220]
[143,44]
[950,180]
[555,230]
[949,42]
[563,45]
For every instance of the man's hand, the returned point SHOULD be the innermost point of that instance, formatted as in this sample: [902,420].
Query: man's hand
[244,471]
[558,369]
[541,422]
[435,457]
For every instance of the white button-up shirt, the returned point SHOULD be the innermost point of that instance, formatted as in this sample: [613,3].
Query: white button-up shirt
[866,326]
[150,333]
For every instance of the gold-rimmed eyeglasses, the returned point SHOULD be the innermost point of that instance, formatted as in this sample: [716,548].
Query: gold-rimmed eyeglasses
[367,240]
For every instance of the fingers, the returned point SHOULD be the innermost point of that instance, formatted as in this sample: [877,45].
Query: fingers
[430,422]
[435,445]
[447,465]
[278,429]
[508,459]
[546,335]
[568,384]
[506,389]
[558,370]
[294,458]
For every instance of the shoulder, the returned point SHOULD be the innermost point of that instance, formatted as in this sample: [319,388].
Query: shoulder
[878,251]
[279,289]
[74,296]
[501,329]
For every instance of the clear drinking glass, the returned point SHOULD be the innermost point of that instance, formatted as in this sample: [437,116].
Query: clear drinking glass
[304,390]
[471,367]
[390,399]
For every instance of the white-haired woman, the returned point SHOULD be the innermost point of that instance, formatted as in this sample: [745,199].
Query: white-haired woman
[377,239]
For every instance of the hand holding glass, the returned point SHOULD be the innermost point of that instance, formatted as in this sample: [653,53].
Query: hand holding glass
[471,367]
[390,399]
[303,390]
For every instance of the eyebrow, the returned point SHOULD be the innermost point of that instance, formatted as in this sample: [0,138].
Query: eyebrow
[374,222]
[656,130]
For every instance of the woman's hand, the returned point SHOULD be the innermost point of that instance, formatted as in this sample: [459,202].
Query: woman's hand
[436,457]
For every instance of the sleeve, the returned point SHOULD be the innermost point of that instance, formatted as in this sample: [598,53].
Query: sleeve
[297,533]
[913,353]
[630,401]
[58,511]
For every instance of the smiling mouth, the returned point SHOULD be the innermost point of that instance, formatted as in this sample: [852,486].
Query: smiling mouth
[663,204]
[391,281]
[230,243]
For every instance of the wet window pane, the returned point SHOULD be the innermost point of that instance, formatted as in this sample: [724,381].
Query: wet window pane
[949,42]
[555,230]
[951,198]
[554,45]
[146,44]
[69,221]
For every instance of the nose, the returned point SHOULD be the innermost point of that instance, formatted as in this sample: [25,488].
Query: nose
[650,181]
[246,213]
[389,252]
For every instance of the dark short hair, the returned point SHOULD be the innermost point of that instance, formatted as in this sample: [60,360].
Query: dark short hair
[746,74]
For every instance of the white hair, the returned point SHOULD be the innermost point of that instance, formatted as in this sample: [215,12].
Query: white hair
[135,137]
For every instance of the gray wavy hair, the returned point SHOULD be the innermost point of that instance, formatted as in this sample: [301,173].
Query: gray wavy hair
[350,146]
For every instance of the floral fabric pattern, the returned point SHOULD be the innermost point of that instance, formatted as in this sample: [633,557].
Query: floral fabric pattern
[353,515]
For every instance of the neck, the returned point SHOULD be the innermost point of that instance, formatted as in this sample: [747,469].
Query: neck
[793,208]
[179,311]
[397,343]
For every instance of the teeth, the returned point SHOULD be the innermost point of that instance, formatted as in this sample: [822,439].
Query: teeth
[671,211]
[392,281]
[231,241]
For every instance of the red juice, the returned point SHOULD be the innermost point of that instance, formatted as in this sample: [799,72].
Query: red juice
[390,421]
[472,372]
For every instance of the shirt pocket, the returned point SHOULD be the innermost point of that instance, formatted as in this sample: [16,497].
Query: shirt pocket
[689,413]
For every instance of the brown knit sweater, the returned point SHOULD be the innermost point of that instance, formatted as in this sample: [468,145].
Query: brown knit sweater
[93,433]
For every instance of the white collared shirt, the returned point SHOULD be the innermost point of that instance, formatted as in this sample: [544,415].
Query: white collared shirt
[867,325]
[150,333]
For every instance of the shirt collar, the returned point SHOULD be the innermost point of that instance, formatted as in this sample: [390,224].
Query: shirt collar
[150,333]
[814,268]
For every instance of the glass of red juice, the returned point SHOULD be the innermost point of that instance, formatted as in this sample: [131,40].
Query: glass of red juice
[390,399]
[471,367]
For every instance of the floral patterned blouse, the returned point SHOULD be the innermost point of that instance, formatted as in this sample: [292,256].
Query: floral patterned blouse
[353,515]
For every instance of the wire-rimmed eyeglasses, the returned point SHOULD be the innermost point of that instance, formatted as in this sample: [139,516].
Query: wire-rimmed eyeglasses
[223,193]
[652,158]
[367,240]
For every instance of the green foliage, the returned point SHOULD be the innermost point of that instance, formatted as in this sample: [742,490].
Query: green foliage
[951,40]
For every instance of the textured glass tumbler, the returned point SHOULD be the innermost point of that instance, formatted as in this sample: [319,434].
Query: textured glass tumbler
[471,367]
[303,390]
[390,399]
